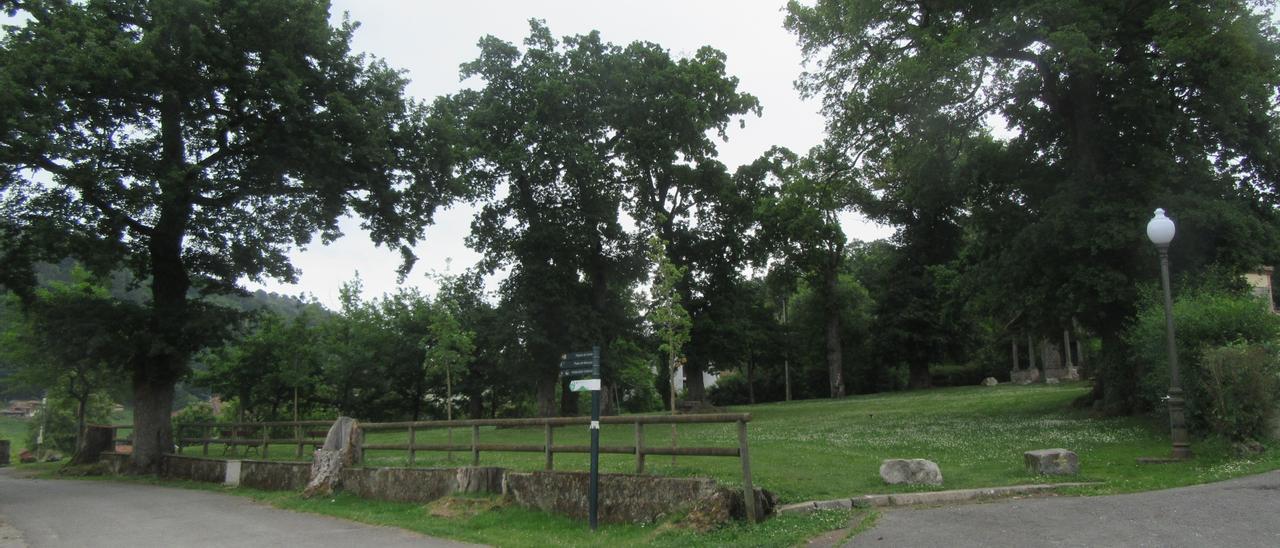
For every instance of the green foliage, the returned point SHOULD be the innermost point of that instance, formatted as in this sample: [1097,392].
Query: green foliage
[262,368]
[196,413]
[670,319]
[58,420]
[1113,108]
[1241,384]
[448,349]
[566,134]
[195,143]
[634,368]
[1204,319]
[75,339]
[809,315]
[730,389]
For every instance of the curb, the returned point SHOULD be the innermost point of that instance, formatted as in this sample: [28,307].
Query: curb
[931,497]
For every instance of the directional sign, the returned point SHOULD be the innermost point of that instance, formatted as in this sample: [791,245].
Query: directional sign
[584,385]
[576,364]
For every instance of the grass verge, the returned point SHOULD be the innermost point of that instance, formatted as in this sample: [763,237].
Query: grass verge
[826,449]
[816,450]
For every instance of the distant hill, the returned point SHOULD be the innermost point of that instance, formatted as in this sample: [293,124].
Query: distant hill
[124,286]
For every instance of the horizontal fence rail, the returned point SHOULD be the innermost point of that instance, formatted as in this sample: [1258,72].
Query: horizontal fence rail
[254,435]
[548,447]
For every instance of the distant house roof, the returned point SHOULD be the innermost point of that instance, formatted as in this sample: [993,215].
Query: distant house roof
[24,408]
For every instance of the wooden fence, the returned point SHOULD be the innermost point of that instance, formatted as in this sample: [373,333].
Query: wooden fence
[258,435]
[254,435]
[549,449]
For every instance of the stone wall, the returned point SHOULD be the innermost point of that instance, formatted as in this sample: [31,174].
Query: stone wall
[194,468]
[274,476]
[115,463]
[420,484]
[623,498]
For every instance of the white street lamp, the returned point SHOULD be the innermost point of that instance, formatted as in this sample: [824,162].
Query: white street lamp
[1160,230]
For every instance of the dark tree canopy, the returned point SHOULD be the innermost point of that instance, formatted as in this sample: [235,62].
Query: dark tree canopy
[566,136]
[1115,108]
[196,142]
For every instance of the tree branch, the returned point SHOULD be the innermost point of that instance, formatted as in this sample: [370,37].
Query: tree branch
[89,194]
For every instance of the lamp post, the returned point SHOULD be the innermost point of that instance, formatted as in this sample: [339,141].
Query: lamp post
[1160,230]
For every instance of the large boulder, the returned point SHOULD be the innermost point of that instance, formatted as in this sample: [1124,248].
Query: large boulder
[910,471]
[990,381]
[1052,462]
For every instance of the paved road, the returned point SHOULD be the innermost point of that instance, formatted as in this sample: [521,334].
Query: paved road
[1238,513]
[72,513]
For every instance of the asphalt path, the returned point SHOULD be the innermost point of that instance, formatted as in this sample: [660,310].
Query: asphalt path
[39,513]
[1242,512]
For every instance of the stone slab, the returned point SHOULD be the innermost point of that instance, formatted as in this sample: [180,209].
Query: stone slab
[1052,462]
[232,476]
[929,498]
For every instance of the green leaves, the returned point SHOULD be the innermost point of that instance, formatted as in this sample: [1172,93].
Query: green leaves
[669,318]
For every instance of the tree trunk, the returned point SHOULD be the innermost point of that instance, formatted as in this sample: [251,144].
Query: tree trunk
[1116,381]
[155,374]
[694,387]
[918,375]
[608,404]
[547,396]
[786,353]
[568,399]
[152,431]
[751,388]
[475,403]
[835,360]
[82,403]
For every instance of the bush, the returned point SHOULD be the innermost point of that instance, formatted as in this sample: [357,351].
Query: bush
[1241,383]
[730,389]
[1203,320]
[196,413]
[58,420]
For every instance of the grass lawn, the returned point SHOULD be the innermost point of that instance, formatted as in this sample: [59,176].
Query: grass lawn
[824,449]
[14,430]
[813,450]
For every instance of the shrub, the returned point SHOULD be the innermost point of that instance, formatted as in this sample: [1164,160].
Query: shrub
[195,413]
[1203,319]
[730,389]
[58,420]
[1240,383]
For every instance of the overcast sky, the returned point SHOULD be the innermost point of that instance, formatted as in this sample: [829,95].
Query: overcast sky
[430,40]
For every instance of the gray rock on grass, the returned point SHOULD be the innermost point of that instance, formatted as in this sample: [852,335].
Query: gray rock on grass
[910,471]
[1052,462]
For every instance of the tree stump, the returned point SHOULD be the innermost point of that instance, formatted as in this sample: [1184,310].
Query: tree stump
[342,447]
[97,440]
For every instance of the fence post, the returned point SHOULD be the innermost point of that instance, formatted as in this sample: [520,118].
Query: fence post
[208,433]
[412,441]
[551,456]
[748,491]
[297,435]
[266,439]
[475,446]
[639,447]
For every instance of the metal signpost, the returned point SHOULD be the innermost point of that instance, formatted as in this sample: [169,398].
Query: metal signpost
[588,363]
